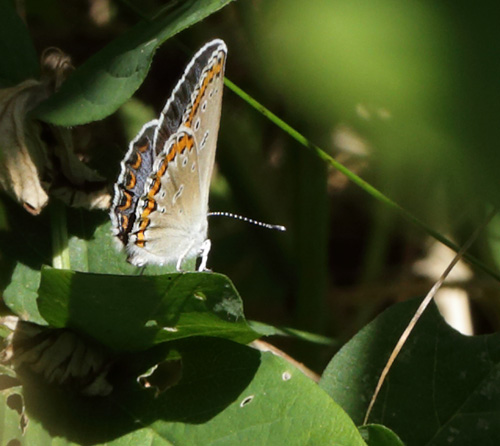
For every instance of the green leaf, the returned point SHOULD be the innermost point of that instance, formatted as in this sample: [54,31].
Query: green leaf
[20,296]
[378,435]
[229,394]
[136,312]
[100,252]
[443,388]
[18,59]
[110,77]
[11,407]
[25,248]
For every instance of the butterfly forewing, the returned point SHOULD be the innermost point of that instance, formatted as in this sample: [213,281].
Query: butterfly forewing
[204,116]
[181,99]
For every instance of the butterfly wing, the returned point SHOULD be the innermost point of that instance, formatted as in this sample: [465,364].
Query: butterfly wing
[135,169]
[168,225]
[180,107]
[170,222]
[203,117]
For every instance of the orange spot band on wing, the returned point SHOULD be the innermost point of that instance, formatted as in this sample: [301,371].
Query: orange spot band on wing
[128,201]
[215,71]
[140,239]
[131,180]
[138,161]
[183,143]
[150,207]
[186,142]
[124,223]
[171,154]
[144,224]
[155,187]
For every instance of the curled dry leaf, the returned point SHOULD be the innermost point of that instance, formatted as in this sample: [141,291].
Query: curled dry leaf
[37,159]
[59,355]
[22,155]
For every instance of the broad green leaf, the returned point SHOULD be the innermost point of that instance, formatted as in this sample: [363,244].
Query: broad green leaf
[11,407]
[136,312]
[20,296]
[443,388]
[18,59]
[25,247]
[110,77]
[100,252]
[229,394]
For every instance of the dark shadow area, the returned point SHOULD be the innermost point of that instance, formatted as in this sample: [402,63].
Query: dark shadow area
[26,239]
[214,373]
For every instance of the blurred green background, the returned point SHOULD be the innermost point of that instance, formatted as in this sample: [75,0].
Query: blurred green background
[404,93]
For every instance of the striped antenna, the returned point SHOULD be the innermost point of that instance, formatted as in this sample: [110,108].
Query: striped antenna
[247,220]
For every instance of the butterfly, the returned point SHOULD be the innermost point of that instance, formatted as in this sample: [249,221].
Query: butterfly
[160,204]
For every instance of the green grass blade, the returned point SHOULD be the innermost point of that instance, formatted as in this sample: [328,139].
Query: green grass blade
[374,192]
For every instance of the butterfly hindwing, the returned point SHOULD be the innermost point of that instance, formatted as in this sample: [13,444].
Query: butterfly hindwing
[169,223]
[135,169]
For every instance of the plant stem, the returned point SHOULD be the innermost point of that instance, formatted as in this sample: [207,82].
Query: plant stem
[60,249]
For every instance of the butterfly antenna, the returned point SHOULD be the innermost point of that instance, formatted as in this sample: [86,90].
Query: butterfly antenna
[247,220]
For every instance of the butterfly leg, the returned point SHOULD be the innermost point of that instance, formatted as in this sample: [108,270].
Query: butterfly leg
[180,260]
[204,250]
